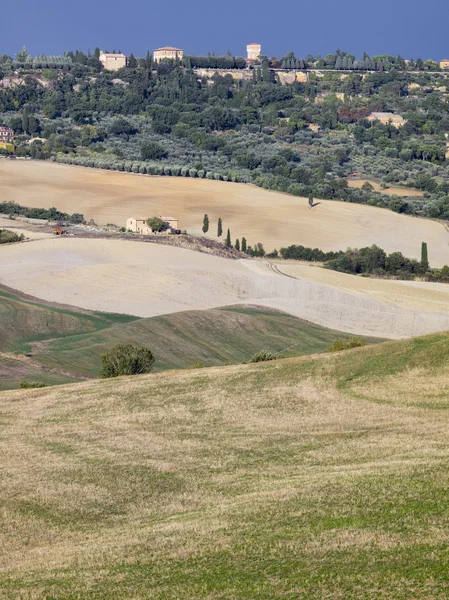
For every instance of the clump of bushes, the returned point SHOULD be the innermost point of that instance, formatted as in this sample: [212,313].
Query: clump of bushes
[26,385]
[262,356]
[9,237]
[50,214]
[126,359]
[353,342]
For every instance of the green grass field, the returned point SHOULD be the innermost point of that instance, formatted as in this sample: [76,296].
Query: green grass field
[72,343]
[321,477]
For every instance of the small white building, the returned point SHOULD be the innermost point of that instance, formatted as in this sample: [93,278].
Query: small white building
[167,52]
[253,51]
[113,62]
[139,225]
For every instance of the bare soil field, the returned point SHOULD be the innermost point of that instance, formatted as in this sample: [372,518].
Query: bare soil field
[390,191]
[412,295]
[272,218]
[148,280]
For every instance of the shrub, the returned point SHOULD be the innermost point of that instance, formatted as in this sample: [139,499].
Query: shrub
[9,237]
[126,359]
[25,385]
[262,356]
[353,342]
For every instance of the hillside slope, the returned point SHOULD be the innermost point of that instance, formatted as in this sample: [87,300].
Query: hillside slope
[64,344]
[149,280]
[282,219]
[304,478]
[195,338]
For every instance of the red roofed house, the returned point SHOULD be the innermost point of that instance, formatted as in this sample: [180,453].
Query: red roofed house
[6,134]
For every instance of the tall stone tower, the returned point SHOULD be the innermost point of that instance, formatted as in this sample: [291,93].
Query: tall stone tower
[253,51]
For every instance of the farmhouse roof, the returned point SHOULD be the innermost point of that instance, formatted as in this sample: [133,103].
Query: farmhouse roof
[110,55]
[169,48]
[254,44]
[385,115]
[5,128]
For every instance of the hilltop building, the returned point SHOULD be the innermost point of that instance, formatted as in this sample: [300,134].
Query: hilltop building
[444,64]
[387,118]
[6,134]
[167,52]
[253,51]
[139,225]
[112,62]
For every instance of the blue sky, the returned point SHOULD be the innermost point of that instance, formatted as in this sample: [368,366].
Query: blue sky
[407,27]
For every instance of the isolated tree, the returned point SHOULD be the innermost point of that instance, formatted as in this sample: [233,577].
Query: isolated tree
[310,201]
[126,359]
[237,244]
[424,256]
[205,224]
[220,228]
[228,239]
[243,244]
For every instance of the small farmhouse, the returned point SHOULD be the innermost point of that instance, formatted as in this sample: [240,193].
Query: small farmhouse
[6,134]
[167,52]
[112,62]
[387,118]
[444,64]
[139,225]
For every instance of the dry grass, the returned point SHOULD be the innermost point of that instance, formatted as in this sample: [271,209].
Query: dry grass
[389,191]
[304,478]
[272,218]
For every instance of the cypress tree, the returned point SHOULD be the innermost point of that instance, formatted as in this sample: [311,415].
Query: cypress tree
[228,239]
[220,228]
[243,244]
[237,244]
[424,256]
[205,224]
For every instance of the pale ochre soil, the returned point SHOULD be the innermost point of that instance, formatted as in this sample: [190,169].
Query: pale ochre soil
[405,294]
[398,191]
[20,227]
[272,218]
[148,279]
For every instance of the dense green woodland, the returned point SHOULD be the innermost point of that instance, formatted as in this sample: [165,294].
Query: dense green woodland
[163,119]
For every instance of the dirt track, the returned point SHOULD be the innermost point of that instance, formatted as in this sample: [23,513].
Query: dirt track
[261,216]
[148,280]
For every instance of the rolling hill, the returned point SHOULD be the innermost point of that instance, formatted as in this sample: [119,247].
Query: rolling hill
[65,345]
[273,218]
[310,478]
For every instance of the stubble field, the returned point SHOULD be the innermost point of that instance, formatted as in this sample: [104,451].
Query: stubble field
[272,218]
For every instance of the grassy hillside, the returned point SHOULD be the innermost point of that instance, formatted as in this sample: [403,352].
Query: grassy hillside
[71,343]
[25,321]
[195,338]
[304,478]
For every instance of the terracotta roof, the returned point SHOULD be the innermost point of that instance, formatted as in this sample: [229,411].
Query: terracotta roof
[169,48]
[254,44]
